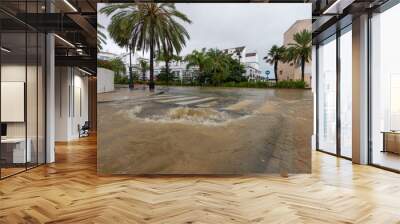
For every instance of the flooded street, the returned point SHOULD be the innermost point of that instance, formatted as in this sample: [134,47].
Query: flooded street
[193,130]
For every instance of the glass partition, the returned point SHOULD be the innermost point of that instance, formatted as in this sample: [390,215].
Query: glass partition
[385,89]
[22,87]
[346,93]
[13,94]
[327,95]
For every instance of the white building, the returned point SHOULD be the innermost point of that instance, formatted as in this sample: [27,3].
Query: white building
[249,60]
[106,56]
[178,69]
[237,53]
[253,71]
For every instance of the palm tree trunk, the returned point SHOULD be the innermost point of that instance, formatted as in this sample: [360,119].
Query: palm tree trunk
[302,68]
[167,70]
[276,71]
[200,75]
[151,83]
[130,68]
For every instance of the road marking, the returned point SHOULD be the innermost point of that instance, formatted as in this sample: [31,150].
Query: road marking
[178,99]
[142,99]
[208,104]
[162,97]
[195,101]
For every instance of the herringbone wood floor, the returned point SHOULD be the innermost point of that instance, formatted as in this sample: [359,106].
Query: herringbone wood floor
[69,191]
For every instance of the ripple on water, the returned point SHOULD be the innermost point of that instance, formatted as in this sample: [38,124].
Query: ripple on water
[186,115]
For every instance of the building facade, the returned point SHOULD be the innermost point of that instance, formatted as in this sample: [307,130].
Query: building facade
[291,70]
[106,56]
[253,71]
[249,60]
[178,69]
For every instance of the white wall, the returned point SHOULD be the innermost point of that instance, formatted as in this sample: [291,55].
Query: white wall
[71,102]
[105,80]
[62,82]
[80,104]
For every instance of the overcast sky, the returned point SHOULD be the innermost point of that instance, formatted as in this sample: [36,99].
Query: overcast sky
[257,26]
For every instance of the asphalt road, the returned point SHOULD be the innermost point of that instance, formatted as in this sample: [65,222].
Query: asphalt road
[193,130]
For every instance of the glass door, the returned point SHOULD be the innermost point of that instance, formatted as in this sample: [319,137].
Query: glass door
[346,92]
[22,77]
[326,101]
[14,154]
[385,89]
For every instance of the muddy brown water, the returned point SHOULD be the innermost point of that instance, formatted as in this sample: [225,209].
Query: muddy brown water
[233,131]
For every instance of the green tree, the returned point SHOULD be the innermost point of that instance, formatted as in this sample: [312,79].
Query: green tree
[164,77]
[143,67]
[236,71]
[104,64]
[118,66]
[101,37]
[119,30]
[167,57]
[300,50]
[152,27]
[275,55]
[218,66]
[135,75]
[198,59]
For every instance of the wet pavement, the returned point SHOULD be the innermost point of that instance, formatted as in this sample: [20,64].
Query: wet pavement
[197,130]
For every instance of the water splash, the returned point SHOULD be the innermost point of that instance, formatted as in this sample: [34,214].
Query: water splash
[131,113]
[185,115]
[197,115]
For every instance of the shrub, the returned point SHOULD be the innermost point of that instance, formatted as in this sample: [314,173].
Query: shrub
[121,79]
[298,84]
[257,84]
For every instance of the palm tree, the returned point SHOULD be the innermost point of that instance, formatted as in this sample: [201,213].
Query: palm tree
[118,66]
[119,31]
[152,27]
[300,50]
[199,59]
[218,66]
[143,67]
[101,37]
[167,57]
[275,55]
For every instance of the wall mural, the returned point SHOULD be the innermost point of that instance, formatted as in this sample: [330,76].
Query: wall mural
[204,88]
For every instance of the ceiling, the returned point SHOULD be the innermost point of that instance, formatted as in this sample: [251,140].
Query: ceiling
[75,21]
